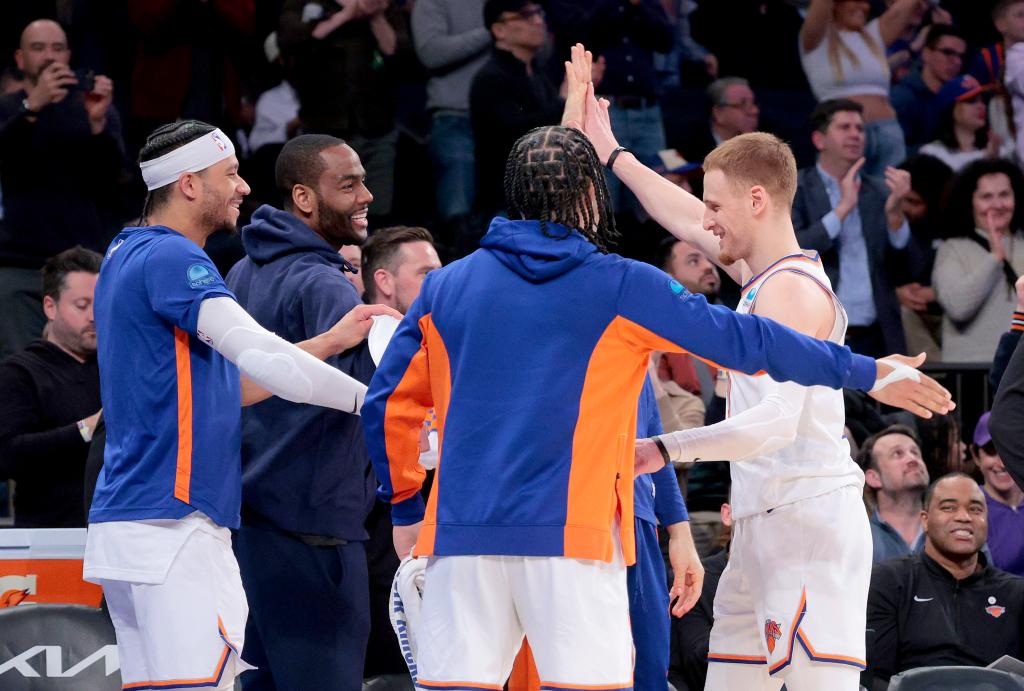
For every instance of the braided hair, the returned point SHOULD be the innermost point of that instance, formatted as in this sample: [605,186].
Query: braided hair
[162,141]
[550,176]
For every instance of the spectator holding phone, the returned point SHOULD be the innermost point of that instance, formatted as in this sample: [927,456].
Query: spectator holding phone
[60,154]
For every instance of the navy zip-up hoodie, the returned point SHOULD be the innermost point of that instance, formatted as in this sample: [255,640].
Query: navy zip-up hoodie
[304,468]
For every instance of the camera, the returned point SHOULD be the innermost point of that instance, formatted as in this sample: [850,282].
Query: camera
[86,79]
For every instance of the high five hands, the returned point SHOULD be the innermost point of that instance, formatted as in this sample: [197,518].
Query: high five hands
[583,110]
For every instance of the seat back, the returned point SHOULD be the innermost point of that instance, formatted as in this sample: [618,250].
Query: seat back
[956,679]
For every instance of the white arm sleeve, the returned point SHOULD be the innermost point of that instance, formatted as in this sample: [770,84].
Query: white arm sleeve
[272,362]
[767,427]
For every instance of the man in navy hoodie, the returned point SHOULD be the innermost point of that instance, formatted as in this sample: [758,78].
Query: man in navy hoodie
[307,486]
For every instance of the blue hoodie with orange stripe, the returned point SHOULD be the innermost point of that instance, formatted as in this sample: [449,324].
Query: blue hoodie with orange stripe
[532,352]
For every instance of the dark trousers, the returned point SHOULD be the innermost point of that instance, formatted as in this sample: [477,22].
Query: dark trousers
[308,612]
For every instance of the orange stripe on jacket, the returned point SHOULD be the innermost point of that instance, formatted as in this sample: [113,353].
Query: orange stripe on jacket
[425,384]
[601,474]
[441,386]
[183,469]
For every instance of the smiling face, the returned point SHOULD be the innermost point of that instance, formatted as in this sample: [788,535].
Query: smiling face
[993,470]
[222,192]
[993,201]
[727,215]
[956,519]
[342,198]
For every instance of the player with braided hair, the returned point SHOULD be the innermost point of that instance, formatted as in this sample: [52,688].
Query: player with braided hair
[553,174]
[172,344]
[532,351]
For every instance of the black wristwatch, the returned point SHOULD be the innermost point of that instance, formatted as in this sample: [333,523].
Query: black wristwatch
[26,109]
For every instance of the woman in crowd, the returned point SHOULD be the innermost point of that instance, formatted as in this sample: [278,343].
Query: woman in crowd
[843,55]
[976,268]
[964,134]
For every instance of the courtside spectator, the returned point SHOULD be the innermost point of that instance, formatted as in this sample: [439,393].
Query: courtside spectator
[353,254]
[60,157]
[843,55]
[453,44]
[51,399]
[947,605]
[916,96]
[976,268]
[895,476]
[395,261]
[511,94]
[964,135]
[627,34]
[991,64]
[1004,499]
[912,272]
[343,76]
[855,221]
[733,111]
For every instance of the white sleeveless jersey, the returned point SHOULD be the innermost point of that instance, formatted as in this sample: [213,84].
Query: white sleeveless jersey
[818,461]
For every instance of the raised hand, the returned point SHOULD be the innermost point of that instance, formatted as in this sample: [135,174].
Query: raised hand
[849,188]
[578,74]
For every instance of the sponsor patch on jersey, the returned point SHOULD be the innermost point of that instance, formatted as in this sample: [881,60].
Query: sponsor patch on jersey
[772,633]
[676,287]
[200,276]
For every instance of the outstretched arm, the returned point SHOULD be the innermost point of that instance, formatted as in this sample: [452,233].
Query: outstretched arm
[272,362]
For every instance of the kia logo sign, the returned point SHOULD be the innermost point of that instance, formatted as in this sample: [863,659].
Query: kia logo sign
[53,662]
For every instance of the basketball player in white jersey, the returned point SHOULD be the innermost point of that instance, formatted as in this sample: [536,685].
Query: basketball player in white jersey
[790,606]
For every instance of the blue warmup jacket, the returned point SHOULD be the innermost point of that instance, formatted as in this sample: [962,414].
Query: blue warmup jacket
[304,468]
[532,352]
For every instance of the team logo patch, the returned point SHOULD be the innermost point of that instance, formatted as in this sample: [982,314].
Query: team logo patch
[200,276]
[219,142]
[995,611]
[772,633]
[676,287]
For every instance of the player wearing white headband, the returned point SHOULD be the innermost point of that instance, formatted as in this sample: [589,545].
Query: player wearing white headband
[172,345]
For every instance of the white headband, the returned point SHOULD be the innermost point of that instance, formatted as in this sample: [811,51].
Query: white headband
[195,156]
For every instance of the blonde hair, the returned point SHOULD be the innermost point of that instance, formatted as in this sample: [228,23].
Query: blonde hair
[757,158]
[836,45]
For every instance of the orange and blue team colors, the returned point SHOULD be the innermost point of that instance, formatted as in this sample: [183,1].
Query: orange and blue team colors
[170,402]
[532,351]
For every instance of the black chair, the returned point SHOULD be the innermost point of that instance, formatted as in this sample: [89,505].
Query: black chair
[52,647]
[956,679]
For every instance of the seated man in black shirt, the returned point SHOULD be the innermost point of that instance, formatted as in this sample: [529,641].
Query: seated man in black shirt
[51,399]
[946,606]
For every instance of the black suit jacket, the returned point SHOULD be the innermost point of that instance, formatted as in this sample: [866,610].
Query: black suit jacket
[812,205]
